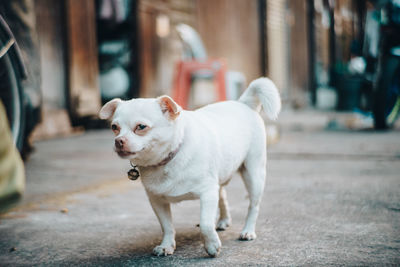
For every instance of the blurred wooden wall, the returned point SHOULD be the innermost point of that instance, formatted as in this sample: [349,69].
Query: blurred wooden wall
[158,55]
[298,58]
[69,64]
[83,68]
[50,27]
[230,30]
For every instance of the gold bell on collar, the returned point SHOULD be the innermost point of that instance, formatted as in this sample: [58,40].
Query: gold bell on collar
[134,174]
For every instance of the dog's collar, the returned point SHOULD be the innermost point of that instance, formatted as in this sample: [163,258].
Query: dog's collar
[134,173]
[169,157]
[165,161]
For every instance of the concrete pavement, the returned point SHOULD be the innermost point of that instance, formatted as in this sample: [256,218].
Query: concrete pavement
[332,198]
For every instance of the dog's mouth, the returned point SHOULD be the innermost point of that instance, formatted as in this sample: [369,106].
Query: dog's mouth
[124,154]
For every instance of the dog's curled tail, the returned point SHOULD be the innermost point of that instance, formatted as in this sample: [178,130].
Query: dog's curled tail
[263,91]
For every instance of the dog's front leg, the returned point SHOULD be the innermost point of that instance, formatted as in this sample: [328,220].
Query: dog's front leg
[163,211]
[208,213]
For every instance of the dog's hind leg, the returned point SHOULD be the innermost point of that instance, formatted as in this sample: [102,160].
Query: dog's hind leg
[253,173]
[224,215]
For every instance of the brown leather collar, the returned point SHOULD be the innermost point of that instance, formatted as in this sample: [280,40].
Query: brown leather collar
[170,156]
[165,161]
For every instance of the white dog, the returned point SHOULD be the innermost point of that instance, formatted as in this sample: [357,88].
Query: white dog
[185,155]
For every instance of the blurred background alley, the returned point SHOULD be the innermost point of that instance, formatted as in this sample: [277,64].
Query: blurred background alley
[333,185]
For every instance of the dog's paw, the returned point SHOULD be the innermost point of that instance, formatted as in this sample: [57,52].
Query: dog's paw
[246,236]
[163,251]
[213,248]
[223,224]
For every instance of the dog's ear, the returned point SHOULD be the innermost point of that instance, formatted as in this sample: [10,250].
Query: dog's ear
[169,107]
[109,108]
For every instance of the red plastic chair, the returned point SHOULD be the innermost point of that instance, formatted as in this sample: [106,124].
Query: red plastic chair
[186,70]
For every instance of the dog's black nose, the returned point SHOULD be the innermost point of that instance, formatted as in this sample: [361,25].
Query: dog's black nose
[119,143]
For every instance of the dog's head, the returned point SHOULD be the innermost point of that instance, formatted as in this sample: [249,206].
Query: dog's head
[143,128]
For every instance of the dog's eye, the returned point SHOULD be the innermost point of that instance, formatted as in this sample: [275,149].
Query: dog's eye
[141,127]
[115,128]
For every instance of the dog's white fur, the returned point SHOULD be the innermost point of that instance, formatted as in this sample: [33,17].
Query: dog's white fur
[212,143]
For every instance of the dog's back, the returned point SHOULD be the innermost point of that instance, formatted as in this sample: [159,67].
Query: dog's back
[236,127]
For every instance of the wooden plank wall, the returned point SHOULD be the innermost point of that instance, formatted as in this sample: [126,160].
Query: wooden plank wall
[50,27]
[148,48]
[82,57]
[158,55]
[278,45]
[230,30]
[299,67]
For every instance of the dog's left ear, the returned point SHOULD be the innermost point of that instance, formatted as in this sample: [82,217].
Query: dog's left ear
[109,108]
[169,107]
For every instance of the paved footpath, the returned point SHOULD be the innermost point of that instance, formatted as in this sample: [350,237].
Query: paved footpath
[332,198]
